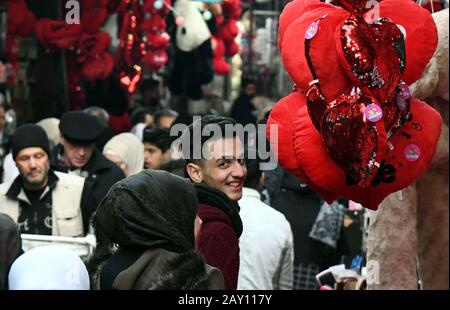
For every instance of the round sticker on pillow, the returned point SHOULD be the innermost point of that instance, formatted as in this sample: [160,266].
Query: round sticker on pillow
[412,152]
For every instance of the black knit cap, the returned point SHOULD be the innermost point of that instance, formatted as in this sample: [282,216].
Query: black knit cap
[29,135]
[79,127]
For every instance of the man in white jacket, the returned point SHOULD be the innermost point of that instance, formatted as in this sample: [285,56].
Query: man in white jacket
[40,200]
[267,250]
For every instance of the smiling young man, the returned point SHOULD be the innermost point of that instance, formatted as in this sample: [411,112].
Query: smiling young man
[40,200]
[218,173]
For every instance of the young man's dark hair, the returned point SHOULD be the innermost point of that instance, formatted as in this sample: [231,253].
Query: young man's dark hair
[219,122]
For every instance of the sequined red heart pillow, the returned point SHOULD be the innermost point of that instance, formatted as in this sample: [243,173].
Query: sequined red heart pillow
[373,55]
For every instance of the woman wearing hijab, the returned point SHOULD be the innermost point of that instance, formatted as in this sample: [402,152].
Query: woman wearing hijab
[10,247]
[51,127]
[48,268]
[152,217]
[127,152]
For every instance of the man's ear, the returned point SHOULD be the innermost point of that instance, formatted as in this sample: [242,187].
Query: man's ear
[195,172]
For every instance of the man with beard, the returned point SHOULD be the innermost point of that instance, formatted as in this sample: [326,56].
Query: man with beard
[40,200]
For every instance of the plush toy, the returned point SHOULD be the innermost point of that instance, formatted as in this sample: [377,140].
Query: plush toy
[413,223]
[193,58]
[194,31]
[352,129]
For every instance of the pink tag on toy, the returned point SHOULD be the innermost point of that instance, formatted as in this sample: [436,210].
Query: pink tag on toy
[312,31]
[412,152]
[373,113]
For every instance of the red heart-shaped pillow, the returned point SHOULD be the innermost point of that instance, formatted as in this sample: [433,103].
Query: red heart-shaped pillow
[421,37]
[322,47]
[372,55]
[352,141]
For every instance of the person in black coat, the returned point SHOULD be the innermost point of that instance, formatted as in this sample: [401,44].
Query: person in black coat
[301,206]
[77,154]
[243,110]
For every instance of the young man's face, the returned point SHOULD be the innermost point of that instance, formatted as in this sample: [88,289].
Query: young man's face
[76,156]
[33,166]
[153,156]
[225,169]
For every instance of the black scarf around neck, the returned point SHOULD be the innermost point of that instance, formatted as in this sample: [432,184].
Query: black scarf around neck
[215,198]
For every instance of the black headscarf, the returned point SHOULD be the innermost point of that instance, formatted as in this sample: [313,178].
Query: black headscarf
[152,209]
[10,247]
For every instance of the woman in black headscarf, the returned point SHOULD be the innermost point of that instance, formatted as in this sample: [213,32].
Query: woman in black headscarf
[151,217]
[10,247]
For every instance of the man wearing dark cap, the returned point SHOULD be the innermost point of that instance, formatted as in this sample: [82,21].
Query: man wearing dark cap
[76,154]
[40,200]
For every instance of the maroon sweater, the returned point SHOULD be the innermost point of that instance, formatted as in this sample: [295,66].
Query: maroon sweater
[219,243]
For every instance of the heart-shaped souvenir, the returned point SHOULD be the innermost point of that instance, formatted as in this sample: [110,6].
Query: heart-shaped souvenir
[373,55]
[351,136]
